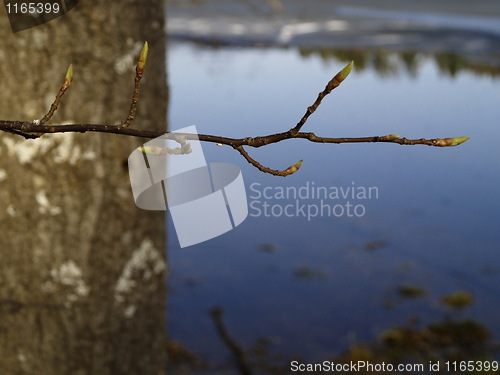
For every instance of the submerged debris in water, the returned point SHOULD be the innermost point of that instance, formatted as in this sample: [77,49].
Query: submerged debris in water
[268,248]
[458,300]
[306,272]
[376,244]
[411,291]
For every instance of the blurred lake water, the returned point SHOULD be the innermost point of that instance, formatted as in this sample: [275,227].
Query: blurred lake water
[312,282]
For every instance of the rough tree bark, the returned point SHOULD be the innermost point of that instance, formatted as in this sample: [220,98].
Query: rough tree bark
[82,287]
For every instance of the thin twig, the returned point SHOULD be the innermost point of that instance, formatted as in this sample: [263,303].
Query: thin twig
[139,69]
[133,105]
[334,83]
[25,135]
[235,349]
[290,170]
[53,107]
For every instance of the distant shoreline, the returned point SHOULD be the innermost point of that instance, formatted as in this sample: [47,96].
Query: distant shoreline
[468,29]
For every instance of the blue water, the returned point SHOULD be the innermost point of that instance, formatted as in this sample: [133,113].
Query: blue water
[320,286]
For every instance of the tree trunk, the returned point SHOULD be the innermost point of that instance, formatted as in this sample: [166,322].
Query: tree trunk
[82,281]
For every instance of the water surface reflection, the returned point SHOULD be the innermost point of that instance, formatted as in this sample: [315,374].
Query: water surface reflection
[314,288]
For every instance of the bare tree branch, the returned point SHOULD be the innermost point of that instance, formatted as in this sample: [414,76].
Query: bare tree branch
[37,128]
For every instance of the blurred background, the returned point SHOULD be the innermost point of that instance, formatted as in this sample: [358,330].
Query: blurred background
[413,278]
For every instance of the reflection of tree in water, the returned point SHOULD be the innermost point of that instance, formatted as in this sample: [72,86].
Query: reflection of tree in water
[387,62]
[452,338]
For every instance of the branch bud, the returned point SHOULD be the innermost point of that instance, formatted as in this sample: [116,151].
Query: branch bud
[458,140]
[143,57]
[345,72]
[294,168]
[447,142]
[68,79]
[340,76]
[69,74]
